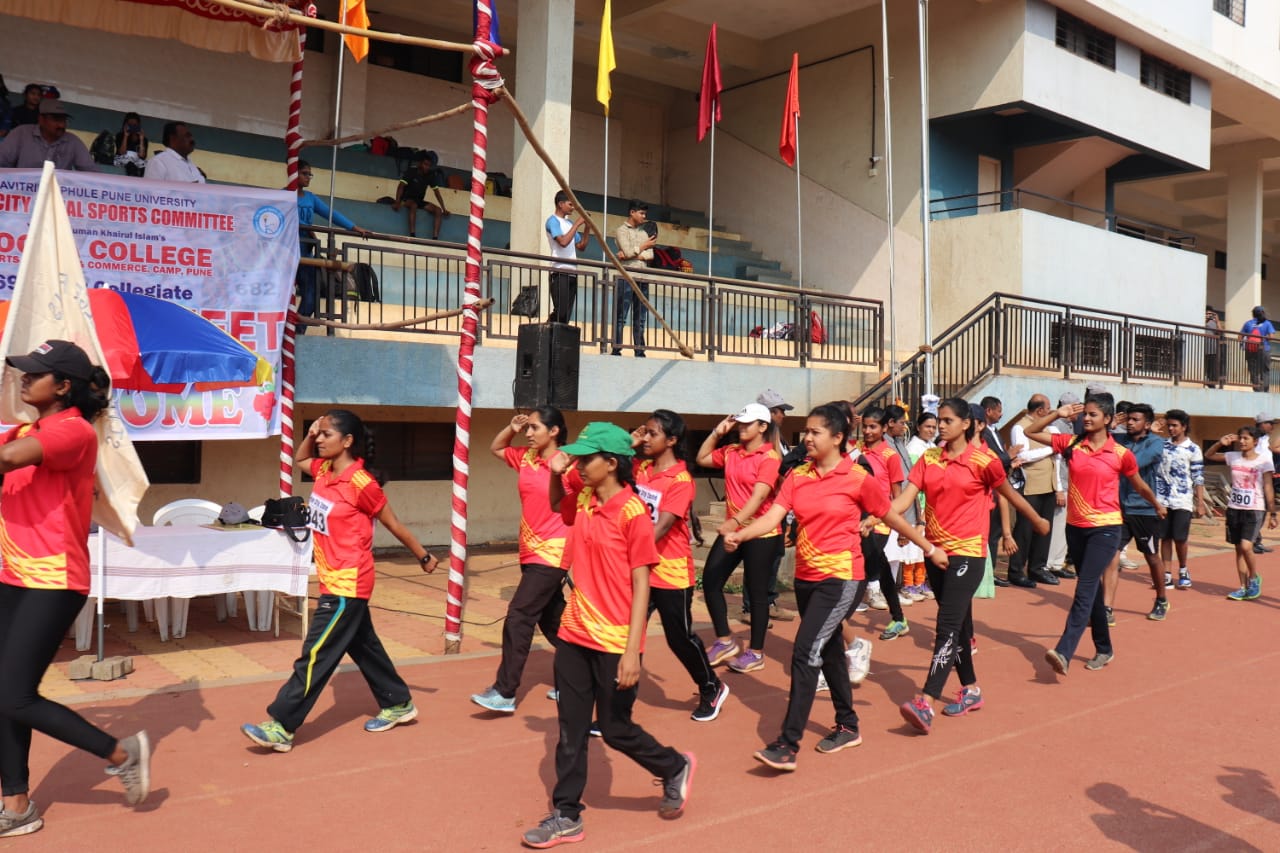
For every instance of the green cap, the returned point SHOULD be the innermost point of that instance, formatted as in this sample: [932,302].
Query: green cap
[601,437]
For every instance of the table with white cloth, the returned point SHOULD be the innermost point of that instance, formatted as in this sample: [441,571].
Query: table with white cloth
[184,562]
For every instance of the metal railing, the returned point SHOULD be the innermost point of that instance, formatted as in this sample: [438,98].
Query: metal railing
[1019,199]
[715,317]
[1006,333]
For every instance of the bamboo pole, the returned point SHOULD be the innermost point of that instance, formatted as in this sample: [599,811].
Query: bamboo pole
[397,324]
[523,122]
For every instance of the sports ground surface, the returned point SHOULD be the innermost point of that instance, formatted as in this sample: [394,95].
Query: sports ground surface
[1170,748]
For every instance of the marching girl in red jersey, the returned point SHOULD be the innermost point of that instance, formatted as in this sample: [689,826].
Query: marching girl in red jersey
[664,484]
[44,535]
[956,479]
[345,501]
[829,494]
[538,601]
[609,554]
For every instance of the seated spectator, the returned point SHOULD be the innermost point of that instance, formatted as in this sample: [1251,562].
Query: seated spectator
[309,204]
[28,112]
[6,109]
[172,164]
[28,146]
[412,193]
[131,145]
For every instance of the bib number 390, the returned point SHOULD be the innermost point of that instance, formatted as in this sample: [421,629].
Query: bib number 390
[1242,498]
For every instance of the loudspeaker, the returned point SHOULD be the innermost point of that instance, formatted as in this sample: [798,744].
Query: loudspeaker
[547,366]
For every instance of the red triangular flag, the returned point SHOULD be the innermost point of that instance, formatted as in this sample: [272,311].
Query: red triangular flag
[709,94]
[790,112]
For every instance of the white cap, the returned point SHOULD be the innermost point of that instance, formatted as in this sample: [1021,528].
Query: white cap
[752,412]
[929,403]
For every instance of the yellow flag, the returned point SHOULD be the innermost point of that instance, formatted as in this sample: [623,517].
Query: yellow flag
[357,17]
[604,91]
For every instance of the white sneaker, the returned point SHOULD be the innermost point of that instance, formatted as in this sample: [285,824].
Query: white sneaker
[859,659]
[822,683]
[876,600]
[905,600]
[1126,563]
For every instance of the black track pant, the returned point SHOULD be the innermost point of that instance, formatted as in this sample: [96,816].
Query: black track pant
[340,626]
[538,603]
[33,624]
[757,556]
[953,646]
[820,648]
[675,610]
[878,568]
[1091,550]
[1033,549]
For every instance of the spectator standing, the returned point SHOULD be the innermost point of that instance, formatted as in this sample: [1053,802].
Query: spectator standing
[566,238]
[6,110]
[1212,341]
[1257,332]
[1032,557]
[27,147]
[173,163]
[131,145]
[1057,561]
[28,112]
[412,193]
[309,204]
[635,250]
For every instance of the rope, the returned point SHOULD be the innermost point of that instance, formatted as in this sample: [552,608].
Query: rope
[591,224]
[273,14]
[485,86]
[368,134]
[395,324]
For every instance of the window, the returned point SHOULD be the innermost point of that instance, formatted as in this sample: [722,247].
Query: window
[1166,78]
[1233,9]
[1085,40]
[409,451]
[1090,349]
[170,461]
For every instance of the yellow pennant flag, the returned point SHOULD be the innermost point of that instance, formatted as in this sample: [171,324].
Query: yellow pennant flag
[357,17]
[50,302]
[604,91]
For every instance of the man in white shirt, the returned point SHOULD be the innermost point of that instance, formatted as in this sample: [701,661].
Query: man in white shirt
[566,239]
[1058,536]
[172,164]
[1031,559]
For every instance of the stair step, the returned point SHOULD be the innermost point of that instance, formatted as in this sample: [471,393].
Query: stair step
[763,266]
[770,278]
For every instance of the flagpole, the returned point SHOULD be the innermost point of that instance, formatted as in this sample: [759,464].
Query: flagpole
[925,213]
[604,228]
[337,124]
[102,590]
[799,228]
[888,193]
[711,204]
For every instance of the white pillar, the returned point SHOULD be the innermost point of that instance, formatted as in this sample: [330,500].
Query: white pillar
[543,86]
[1244,241]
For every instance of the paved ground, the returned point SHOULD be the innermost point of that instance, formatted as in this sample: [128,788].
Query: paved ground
[1168,749]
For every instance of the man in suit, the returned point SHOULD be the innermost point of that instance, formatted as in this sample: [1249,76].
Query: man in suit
[993,411]
[1032,556]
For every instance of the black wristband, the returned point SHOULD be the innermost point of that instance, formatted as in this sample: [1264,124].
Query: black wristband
[424,559]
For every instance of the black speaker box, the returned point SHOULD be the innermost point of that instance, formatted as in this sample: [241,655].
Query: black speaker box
[547,366]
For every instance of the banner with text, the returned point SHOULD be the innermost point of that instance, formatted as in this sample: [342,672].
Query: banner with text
[229,253]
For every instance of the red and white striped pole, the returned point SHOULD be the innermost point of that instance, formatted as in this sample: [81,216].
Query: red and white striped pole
[485,80]
[293,146]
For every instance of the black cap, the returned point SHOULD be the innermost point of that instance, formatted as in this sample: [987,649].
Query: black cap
[61,357]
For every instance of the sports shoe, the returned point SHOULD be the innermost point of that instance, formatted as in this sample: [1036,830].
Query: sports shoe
[1126,563]
[1057,661]
[905,600]
[915,594]
[1184,579]
[721,651]
[389,718]
[710,702]
[492,700]
[777,755]
[269,734]
[918,713]
[13,824]
[822,687]
[862,607]
[841,737]
[675,790]
[135,770]
[554,829]
[1111,617]
[1253,589]
[1259,548]
[859,660]
[876,600]
[594,731]
[748,661]
[782,614]
[1168,580]
[553,695]
[1098,661]
[1159,611]
[1240,594]
[968,699]
[973,646]
[895,629]
[926,591]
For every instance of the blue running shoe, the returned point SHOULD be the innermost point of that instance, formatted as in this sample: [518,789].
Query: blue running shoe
[492,700]
[389,718]
[918,713]
[1253,589]
[968,699]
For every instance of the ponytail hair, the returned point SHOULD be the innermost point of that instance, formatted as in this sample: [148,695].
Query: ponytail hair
[624,471]
[673,426]
[90,395]
[553,418]
[347,422]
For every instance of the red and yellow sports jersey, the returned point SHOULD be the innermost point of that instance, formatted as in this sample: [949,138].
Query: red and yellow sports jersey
[1093,493]
[542,531]
[829,510]
[887,467]
[742,470]
[606,541]
[342,508]
[45,508]
[957,491]
[670,491]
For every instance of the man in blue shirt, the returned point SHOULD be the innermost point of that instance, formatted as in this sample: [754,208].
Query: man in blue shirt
[1140,519]
[1257,332]
[309,204]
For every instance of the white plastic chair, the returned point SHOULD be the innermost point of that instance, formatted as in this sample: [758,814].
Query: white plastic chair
[259,605]
[188,512]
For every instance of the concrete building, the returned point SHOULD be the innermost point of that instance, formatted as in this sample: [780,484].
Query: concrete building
[1111,166]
